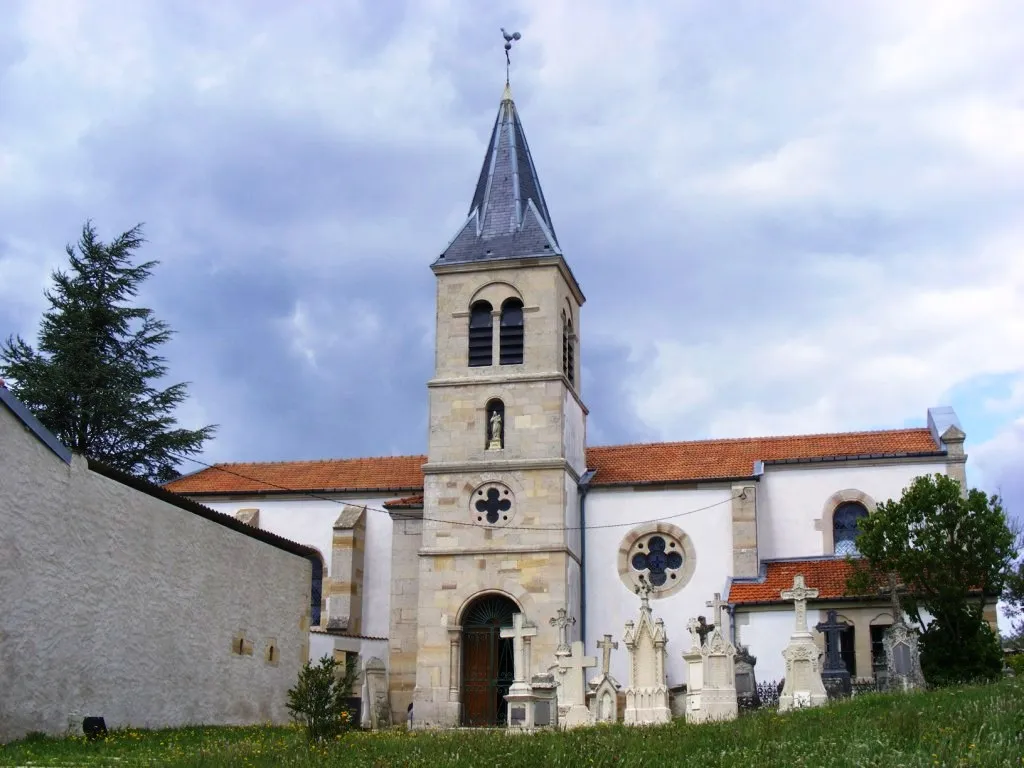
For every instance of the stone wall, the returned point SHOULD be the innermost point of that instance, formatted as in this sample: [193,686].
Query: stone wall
[118,604]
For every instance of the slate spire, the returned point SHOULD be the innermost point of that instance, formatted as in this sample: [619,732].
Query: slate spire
[509,216]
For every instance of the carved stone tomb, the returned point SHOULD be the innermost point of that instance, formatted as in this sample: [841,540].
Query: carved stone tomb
[803,687]
[647,692]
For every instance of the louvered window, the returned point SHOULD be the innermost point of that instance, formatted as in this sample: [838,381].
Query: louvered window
[481,334]
[568,350]
[511,332]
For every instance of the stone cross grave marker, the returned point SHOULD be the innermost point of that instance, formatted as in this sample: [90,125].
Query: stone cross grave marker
[892,590]
[573,670]
[717,605]
[607,646]
[520,632]
[563,621]
[692,627]
[799,593]
[835,676]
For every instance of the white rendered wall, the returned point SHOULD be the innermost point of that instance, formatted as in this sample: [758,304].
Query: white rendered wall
[766,636]
[790,502]
[117,604]
[310,521]
[610,604]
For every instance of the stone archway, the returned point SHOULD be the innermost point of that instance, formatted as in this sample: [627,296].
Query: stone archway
[487,668]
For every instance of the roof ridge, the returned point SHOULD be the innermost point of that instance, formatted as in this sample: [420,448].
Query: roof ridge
[763,437]
[313,461]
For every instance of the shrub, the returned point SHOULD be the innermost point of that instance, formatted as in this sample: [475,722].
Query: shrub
[318,700]
[1016,663]
[949,657]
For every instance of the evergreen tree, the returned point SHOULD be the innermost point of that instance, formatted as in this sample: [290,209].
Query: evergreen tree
[94,379]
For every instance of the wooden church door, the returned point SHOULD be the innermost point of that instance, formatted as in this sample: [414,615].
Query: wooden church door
[487,666]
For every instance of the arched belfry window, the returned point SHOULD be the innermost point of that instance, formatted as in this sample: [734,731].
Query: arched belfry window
[481,334]
[511,332]
[844,527]
[568,349]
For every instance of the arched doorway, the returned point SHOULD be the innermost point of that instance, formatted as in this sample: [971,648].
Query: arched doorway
[487,667]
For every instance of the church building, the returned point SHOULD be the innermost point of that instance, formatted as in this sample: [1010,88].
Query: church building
[425,558]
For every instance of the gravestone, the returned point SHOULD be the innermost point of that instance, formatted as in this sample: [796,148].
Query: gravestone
[376,676]
[520,697]
[746,682]
[719,684]
[900,642]
[835,676]
[563,621]
[694,703]
[604,693]
[803,686]
[572,670]
[647,692]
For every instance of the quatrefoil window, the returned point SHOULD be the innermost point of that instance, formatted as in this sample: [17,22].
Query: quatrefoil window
[492,503]
[660,558]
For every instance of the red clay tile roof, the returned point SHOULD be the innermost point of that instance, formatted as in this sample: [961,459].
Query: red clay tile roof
[409,502]
[383,473]
[827,576]
[709,459]
[615,465]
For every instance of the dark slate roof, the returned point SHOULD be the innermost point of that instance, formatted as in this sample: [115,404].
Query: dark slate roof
[22,413]
[508,217]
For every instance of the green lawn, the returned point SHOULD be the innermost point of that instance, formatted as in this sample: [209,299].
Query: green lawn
[978,725]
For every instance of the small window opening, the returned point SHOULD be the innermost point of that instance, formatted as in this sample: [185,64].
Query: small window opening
[512,332]
[481,333]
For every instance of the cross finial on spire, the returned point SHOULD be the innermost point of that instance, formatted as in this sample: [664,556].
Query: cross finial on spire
[509,38]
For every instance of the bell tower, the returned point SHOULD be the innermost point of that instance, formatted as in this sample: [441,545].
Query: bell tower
[506,445]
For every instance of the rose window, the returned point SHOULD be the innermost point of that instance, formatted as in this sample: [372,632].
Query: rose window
[492,503]
[661,558]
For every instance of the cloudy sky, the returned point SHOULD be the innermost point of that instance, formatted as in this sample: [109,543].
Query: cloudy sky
[787,217]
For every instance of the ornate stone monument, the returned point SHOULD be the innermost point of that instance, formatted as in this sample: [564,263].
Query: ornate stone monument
[903,659]
[647,692]
[718,696]
[803,687]
[572,670]
[604,693]
[835,676]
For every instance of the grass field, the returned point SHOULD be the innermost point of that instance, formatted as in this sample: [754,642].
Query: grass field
[976,726]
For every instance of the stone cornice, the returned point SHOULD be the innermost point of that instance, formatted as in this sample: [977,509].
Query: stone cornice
[527,262]
[510,378]
[499,465]
[443,552]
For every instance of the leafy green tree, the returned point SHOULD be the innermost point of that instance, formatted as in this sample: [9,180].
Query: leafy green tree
[93,380]
[954,555]
[319,698]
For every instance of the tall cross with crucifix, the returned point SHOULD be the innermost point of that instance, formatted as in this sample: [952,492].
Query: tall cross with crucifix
[704,629]
[607,646]
[892,591]
[563,621]
[800,593]
[520,632]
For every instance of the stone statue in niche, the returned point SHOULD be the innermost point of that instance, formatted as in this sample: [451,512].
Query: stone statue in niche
[495,420]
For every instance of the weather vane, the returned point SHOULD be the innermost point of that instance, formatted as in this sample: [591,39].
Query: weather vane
[509,37]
